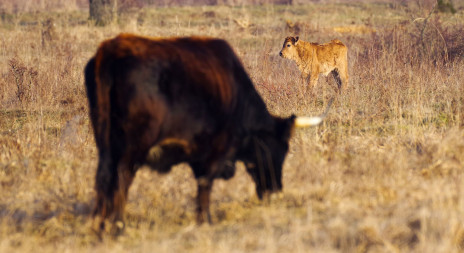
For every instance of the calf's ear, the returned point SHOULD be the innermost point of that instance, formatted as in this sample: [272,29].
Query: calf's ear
[296,40]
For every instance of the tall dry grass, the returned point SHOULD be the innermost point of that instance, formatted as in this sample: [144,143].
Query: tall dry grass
[383,174]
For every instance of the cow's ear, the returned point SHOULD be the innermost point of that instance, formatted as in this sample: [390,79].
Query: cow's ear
[296,40]
[285,128]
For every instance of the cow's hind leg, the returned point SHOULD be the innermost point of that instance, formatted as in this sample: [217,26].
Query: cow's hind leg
[112,184]
[106,183]
[126,173]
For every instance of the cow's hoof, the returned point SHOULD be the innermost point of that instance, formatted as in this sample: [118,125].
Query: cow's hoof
[117,228]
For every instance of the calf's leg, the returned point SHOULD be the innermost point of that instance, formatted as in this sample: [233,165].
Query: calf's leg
[336,76]
[313,79]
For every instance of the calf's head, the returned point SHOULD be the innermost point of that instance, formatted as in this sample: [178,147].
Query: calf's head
[289,48]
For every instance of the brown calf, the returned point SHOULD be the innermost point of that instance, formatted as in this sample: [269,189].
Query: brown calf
[313,59]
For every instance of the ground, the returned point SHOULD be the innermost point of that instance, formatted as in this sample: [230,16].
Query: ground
[383,173]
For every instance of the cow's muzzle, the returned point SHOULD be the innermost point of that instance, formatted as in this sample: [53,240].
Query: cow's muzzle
[280,54]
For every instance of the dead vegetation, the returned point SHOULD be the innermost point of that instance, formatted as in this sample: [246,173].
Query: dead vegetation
[383,174]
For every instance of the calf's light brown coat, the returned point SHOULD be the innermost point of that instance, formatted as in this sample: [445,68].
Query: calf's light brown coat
[313,59]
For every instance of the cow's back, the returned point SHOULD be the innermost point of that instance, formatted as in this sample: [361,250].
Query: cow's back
[194,60]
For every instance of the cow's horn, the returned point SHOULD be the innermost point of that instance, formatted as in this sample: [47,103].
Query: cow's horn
[307,121]
[312,121]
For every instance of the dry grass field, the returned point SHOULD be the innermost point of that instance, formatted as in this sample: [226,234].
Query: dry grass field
[384,172]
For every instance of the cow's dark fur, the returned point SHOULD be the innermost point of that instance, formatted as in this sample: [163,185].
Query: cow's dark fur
[161,102]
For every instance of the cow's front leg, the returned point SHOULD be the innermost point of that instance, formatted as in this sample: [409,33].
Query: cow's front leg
[204,191]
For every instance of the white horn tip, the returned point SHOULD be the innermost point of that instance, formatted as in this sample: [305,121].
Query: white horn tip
[307,121]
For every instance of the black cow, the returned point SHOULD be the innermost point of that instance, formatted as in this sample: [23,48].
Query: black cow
[164,101]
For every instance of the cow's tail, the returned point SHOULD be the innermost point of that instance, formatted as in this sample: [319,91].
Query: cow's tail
[90,86]
[98,84]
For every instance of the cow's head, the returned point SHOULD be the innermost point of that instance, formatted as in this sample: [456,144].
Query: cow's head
[264,152]
[289,48]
